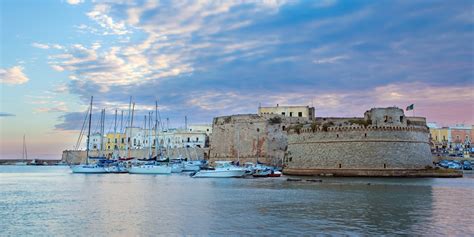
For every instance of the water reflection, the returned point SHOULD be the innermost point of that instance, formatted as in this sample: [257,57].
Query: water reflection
[55,202]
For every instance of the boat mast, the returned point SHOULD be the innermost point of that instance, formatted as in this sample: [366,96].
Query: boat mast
[89,132]
[156,129]
[24,153]
[121,132]
[145,133]
[238,145]
[129,135]
[115,136]
[149,135]
[131,125]
[102,132]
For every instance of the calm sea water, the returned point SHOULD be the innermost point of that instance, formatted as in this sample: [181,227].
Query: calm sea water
[50,201]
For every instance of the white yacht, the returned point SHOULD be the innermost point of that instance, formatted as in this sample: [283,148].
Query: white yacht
[177,168]
[223,169]
[116,167]
[88,169]
[192,166]
[150,169]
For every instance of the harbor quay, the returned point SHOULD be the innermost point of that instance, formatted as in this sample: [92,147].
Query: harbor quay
[383,142]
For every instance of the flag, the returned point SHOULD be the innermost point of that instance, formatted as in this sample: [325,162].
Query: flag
[410,107]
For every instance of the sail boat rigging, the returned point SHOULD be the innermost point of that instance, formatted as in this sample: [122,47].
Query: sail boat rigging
[88,168]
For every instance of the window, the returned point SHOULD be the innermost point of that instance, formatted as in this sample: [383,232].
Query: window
[189,139]
[258,129]
[207,130]
[128,140]
[108,147]
[197,139]
[123,140]
[365,134]
[340,166]
[300,114]
[115,140]
[291,114]
[401,119]
[283,128]
[282,113]
[384,166]
[134,141]
[337,135]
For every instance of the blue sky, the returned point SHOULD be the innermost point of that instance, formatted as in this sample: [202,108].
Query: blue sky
[205,59]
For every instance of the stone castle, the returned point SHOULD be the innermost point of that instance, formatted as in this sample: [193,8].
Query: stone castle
[382,143]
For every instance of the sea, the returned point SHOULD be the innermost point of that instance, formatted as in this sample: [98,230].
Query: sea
[51,201]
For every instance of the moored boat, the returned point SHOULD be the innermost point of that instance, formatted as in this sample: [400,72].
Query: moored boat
[275,173]
[150,169]
[177,168]
[261,173]
[88,169]
[223,169]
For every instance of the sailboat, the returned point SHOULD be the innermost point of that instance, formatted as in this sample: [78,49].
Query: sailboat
[116,166]
[154,167]
[24,154]
[88,168]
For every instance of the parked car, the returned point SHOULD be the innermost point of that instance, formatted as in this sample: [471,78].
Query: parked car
[466,165]
[444,163]
[454,165]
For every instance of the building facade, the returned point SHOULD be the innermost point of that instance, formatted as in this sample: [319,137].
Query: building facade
[289,111]
[139,138]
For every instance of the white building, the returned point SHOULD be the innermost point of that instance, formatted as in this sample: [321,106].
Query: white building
[138,138]
[207,128]
[289,111]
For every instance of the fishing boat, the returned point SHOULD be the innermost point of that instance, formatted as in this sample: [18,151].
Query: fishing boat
[88,168]
[261,173]
[223,169]
[274,173]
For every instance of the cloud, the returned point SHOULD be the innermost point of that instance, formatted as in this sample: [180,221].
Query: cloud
[100,15]
[40,46]
[3,114]
[13,76]
[74,2]
[334,59]
[217,58]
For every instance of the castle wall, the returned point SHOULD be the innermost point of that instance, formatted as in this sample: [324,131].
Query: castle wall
[359,148]
[250,137]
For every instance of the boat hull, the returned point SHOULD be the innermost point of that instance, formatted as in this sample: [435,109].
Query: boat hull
[84,169]
[191,168]
[177,168]
[219,174]
[116,169]
[150,169]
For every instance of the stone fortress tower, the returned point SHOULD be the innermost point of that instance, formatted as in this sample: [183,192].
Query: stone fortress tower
[383,143]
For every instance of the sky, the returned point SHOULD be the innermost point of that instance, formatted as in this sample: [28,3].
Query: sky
[203,59]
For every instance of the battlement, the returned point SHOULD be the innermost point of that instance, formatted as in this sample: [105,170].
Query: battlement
[312,129]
